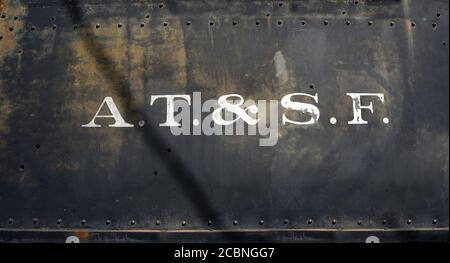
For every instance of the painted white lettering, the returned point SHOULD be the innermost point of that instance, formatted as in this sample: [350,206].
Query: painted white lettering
[115,114]
[170,119]
[357,107]
[287,103]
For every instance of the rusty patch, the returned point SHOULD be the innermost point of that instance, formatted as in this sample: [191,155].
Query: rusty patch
[82,234]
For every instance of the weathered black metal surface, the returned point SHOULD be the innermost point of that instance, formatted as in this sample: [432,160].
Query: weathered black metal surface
[60,59]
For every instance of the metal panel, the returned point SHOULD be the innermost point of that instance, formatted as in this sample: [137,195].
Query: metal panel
[60,59]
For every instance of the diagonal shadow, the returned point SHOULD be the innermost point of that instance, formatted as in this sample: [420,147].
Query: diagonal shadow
[120,85]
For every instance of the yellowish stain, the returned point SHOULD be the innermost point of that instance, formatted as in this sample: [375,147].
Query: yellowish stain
[110,60]
[9,47]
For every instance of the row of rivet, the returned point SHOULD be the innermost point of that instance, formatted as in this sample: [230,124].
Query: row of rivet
[210,222]
[235,23]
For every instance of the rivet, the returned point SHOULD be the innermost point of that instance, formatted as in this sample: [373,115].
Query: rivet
[210,222]
[132,222]
[183,223]
[83,222]
[286,221]
[235,222]
[409,221]
[261,222]
[108,222]
[310,221]
[158,222]
[59,221]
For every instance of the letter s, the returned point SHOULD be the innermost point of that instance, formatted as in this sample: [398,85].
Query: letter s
[287,103]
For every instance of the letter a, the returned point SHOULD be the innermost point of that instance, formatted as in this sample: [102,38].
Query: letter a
[120,122]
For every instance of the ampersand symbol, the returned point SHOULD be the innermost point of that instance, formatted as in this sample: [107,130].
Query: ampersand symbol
[235,108]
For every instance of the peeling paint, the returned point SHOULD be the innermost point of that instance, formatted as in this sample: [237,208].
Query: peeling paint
[280,68]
